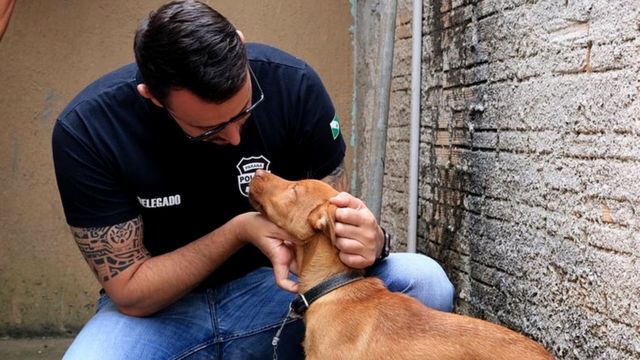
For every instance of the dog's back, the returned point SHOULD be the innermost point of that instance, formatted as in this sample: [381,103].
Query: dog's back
[364,320]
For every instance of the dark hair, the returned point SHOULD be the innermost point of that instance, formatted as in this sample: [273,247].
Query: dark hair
[189,45]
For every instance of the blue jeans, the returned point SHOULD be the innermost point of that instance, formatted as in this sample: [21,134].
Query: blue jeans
[237,320]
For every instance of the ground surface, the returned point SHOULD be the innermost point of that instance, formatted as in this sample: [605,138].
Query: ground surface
[37,348]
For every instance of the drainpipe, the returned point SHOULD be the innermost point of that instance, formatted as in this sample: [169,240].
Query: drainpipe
[373,195]
[414,157]
[380,139]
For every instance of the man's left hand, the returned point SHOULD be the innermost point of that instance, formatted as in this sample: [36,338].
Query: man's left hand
[358,236]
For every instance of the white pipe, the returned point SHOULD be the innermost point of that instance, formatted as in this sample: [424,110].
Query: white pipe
[414,157]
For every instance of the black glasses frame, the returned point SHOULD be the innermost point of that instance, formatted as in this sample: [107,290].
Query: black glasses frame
[244,113]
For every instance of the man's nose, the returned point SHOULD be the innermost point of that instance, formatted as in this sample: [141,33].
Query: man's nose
[231,134]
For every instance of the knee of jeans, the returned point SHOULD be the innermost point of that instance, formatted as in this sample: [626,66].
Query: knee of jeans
[421,277]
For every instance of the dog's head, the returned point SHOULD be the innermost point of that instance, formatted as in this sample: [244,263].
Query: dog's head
[301,208]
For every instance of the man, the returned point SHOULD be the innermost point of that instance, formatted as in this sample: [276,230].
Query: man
[153,163]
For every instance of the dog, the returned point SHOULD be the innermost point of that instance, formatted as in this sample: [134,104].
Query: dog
[361,319]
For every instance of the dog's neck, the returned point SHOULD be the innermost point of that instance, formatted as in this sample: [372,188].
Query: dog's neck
[318,260]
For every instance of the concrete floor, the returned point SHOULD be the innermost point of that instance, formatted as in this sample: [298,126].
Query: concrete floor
[35,348]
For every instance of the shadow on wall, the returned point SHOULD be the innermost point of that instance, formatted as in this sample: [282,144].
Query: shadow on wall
[454,107]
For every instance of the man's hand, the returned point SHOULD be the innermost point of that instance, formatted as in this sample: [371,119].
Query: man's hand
[358,236]
[275,243]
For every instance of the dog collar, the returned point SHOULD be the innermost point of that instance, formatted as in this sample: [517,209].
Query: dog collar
[302,302]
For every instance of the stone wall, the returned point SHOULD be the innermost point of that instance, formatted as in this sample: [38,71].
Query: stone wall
[530,164]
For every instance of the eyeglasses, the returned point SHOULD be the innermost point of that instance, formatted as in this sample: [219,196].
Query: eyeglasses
[242,115]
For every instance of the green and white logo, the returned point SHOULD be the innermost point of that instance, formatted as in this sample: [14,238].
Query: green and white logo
[335,127]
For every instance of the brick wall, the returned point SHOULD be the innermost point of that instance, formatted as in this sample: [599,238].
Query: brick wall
[530,164]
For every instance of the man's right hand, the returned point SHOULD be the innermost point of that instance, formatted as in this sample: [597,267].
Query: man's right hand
[274,242]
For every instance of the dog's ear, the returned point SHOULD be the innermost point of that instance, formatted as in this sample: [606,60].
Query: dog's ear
[323,218]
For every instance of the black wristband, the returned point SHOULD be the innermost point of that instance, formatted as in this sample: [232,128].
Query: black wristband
[386,247]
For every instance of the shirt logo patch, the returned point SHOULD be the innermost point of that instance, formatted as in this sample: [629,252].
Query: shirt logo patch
[335,126]
[247,168]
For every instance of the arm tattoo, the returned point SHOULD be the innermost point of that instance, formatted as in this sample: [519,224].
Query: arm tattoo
[110,250]
[337,178]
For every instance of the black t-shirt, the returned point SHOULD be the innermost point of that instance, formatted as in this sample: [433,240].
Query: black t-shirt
[118,156]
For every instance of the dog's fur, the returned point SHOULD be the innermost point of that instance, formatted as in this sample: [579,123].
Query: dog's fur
[363,320]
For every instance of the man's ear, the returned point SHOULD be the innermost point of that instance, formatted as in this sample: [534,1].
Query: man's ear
[241,35]
[323,218]
[144,91]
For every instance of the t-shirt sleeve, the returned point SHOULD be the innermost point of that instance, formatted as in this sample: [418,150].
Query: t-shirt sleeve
[320,136]
[90,191]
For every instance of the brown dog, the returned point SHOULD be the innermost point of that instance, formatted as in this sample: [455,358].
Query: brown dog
[362,319]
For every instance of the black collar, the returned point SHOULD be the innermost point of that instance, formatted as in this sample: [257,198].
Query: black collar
[302,302]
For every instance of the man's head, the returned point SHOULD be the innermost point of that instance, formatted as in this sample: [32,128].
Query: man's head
[188,45]
[193,62]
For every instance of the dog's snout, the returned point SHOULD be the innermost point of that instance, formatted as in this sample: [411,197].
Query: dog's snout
[255,184]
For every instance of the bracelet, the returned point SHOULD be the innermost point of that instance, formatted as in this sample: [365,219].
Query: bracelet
[386,248]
